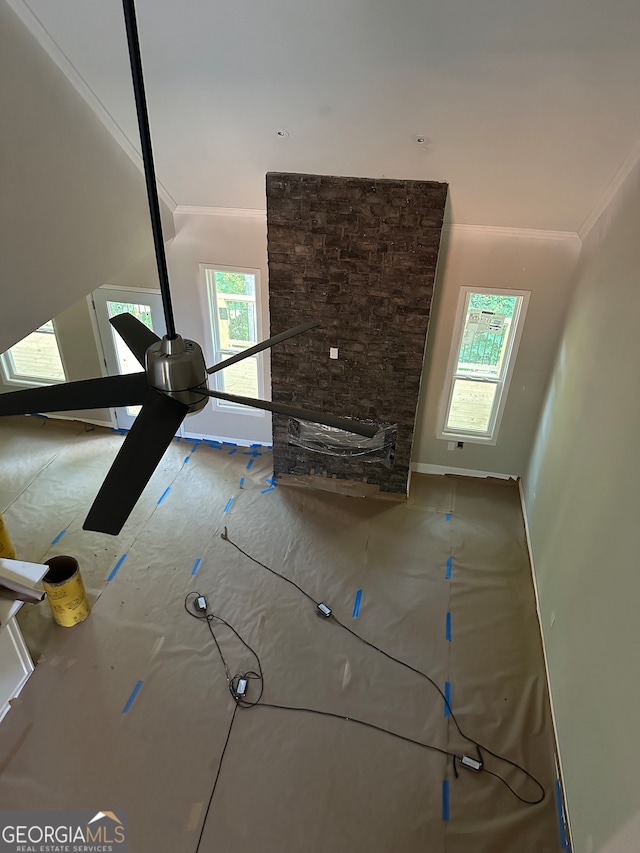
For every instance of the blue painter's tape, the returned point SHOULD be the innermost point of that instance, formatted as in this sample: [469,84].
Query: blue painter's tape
[228,506]
[58,537]
[445,799]
[187,458]
[447,629]
[178,438]
[356,604]
[270,489]
[269,446]
[271,480]
[447,696]
[132,698]
[196,566]
[164,495]
[564,841]
[249,464]
[448,516]
[232,451]
[195,447]
[230,443]
[256,445]
[241,482]
[114,570]
[38,415]
[449,567]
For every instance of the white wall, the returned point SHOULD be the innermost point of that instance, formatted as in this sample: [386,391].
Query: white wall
[542,262]
[582,494]
[73,208]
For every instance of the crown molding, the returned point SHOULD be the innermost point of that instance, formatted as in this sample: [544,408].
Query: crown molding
[450,227]
[500,231]
[628,165]
[196,210]
[46,41]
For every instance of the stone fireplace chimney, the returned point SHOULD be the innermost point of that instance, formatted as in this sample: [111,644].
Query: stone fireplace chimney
[360,256]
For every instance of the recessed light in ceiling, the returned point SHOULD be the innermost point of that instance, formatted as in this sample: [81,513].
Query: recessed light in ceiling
[281,134]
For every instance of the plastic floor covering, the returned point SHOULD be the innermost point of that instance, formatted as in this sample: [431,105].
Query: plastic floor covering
[130,711]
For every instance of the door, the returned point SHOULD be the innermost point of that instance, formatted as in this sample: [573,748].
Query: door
[146,306]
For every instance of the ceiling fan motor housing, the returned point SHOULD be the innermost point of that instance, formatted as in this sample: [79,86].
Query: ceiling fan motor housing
[176,367]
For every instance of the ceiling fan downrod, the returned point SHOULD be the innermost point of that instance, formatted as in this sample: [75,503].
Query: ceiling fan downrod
[147,158]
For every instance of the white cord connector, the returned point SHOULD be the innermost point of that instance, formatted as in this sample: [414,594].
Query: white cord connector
[323,610]
[471,763]
[241,689]
[201,604]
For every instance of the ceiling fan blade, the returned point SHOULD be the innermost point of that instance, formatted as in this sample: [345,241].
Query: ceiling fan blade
[143,448]
[135,334]
[293,412]
[263,345]
[128,390]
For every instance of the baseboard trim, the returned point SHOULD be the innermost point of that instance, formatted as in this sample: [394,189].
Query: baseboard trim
[92,421]
[241,442]
[426,468]
[527,536]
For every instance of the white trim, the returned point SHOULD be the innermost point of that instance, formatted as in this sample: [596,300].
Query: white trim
[113,423]
[500,231]
[628,164]
[129,289]
[241,442]
[24,659]
[427,468]
[92,421]
[195,210]
[46,40]
[448,227]
[527,536]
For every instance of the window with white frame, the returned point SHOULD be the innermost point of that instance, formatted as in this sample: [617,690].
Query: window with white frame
[485,344]
[233,314]
[35,359]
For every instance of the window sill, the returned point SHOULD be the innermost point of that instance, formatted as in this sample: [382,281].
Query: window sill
[31,382]
[490,441]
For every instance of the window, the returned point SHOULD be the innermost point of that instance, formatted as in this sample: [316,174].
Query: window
[231,295]
[486,338]
[35,359]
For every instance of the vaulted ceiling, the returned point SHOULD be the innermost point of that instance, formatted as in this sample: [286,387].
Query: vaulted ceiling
[529,109]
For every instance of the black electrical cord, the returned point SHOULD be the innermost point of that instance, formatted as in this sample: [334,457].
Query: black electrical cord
[242,703]
[225,536]
[367,725]
[232,681]
[479,746]
[215,783]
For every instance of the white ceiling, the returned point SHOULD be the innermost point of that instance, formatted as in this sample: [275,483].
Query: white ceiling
[531,108]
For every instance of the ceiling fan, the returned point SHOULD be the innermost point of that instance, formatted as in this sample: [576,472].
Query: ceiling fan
[174,380]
